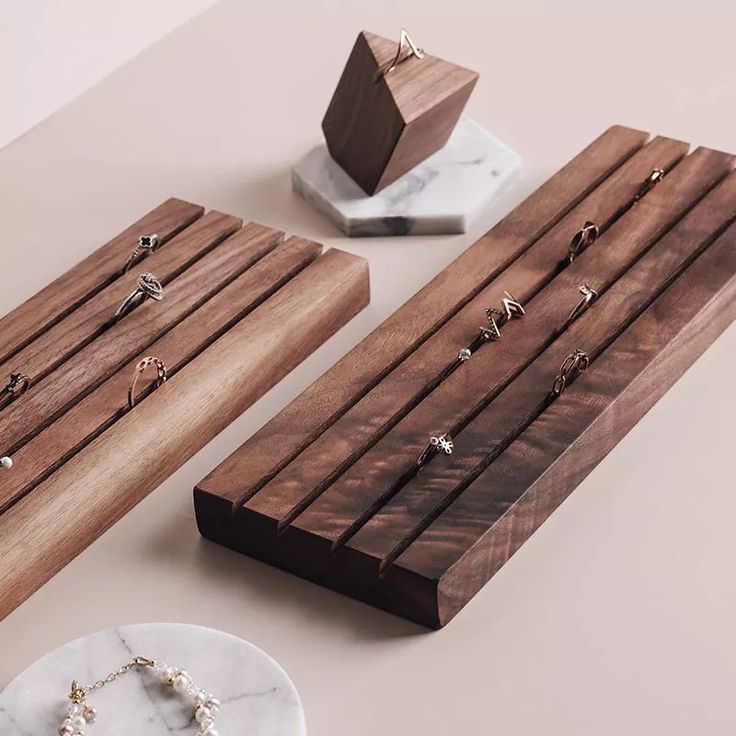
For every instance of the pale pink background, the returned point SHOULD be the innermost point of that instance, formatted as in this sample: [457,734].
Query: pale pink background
[618,616]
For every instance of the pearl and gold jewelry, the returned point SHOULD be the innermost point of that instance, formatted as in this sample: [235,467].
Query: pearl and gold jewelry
[205,706]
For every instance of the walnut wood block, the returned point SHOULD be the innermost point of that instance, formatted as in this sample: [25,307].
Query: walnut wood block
[378,127]
[45,529]
[301,422]
[501,510]
[94,273]
[125,339]
[68,336]
[332,492]
[371,480]
[424,497]
[342,444]
[86,420]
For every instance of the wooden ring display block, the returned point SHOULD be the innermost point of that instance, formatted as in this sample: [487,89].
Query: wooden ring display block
[241,307]
[378,126]
[330,488]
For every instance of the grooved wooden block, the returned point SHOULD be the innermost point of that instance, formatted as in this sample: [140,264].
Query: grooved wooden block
[241,308]
[379,126]
[330,489]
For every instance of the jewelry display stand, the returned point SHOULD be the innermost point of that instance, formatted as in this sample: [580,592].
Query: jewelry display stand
[240,307]
[332,490]
[445,193]
[257,696]
[397,158]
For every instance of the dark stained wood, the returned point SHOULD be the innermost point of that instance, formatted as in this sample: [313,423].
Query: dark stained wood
[127,338]
[379,127]
[395,525]
[68,336]
[368,483]
[46,528]
[321,404]
[97,411]
[344,506]
[342,444]
[501,510]
[87,278]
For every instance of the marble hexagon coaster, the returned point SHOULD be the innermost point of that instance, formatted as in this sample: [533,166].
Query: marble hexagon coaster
[257,696]
[443,194]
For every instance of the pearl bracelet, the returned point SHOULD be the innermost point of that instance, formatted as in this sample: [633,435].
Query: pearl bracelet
[79,713]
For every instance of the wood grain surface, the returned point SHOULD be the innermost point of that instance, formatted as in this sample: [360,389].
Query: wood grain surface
[424,497]
[241,308]
[271,449]
[45,452]
[538,471]
[378,127]
[54,302]
[121,341]
[331,490]
[70,335]
[45,529]
[371,480]
[342,444]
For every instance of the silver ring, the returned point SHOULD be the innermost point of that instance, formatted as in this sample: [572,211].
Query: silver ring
[147,244]
[443,443]
[149,287]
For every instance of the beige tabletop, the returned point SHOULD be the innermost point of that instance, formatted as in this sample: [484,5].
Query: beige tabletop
[617,617]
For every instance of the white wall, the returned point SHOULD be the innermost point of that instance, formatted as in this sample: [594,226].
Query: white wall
[53,50]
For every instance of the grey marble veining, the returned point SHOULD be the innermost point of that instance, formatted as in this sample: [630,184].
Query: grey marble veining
[443,194]
[258,698]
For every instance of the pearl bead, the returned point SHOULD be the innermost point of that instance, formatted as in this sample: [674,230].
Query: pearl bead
[199,697]
[77,723]
[181,682]
[6,462]
[169,675]
[65,729]
[89,714]
[202,714]
[212,703]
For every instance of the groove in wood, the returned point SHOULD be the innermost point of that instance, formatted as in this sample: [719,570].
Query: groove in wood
[246,471]
[330,489]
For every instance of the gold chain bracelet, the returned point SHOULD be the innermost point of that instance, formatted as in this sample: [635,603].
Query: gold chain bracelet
[79,712]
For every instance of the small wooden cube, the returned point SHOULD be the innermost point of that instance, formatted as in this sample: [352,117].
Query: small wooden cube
[379,126]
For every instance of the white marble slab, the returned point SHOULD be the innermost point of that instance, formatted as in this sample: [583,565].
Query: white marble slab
[444,194]
[258,698]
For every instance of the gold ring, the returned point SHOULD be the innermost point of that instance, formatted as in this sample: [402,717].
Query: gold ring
[140,368]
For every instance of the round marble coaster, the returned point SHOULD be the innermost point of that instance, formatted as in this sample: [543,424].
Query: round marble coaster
[443,194]
[258,698]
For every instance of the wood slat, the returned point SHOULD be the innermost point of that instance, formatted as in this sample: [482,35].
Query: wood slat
[332,493]
[69,336]
[272,448]
[468,543]
[45,529]
[125,339]
[300,482]
[99,410]
[403,518]
[25,323]
[369,483]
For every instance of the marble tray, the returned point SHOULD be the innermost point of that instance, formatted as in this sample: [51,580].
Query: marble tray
[444,194]
[258,698]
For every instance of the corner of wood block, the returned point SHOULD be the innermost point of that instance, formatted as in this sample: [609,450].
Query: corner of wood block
[211,511]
